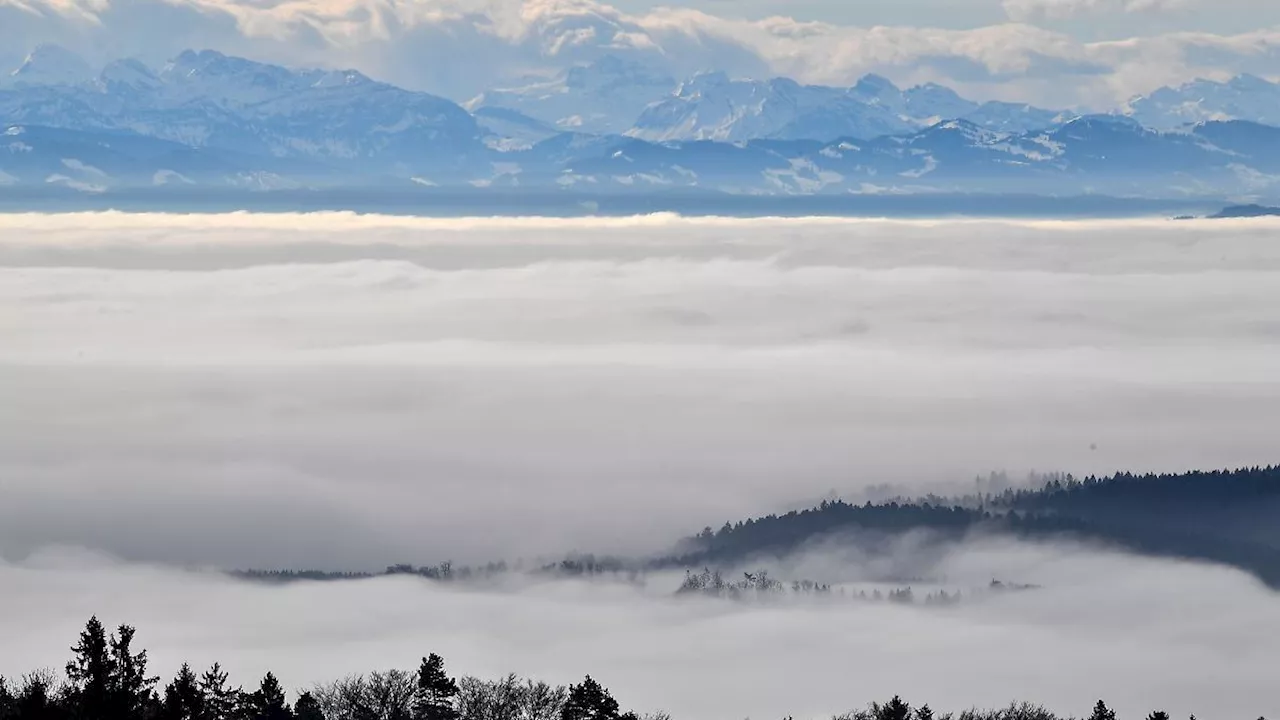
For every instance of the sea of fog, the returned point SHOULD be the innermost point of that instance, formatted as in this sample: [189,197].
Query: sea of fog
[341,391]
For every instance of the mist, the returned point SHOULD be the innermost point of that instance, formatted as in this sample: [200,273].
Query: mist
[1141,634]
[344,392]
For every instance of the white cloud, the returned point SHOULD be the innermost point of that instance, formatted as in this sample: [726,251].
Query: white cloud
[1033,10]
[460,47]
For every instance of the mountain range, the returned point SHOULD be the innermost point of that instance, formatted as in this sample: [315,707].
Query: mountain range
[209,119]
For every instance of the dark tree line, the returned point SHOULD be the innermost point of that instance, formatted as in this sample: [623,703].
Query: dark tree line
[108,679]
[1222,516]
[1225,517]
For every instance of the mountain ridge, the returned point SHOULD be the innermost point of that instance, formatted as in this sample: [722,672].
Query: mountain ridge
[213,119]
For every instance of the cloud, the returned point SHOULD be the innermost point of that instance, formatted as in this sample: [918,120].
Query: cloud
[1141,634]
[350,391]
[1033,10]
[461,47]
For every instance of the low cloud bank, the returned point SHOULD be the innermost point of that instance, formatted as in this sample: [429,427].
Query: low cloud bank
[345,392]
[1141,634]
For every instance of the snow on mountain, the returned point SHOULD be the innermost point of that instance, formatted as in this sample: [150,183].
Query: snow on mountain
[1245,97]
[127,76]
[50,65]
[713,107]
[210,100]
[210,119]
[507,130]
[603,97]
[1015,117]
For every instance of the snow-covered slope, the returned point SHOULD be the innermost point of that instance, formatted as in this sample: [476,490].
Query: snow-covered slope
[603,97]
[1245,97]
[50,65]
[210,119]
[711,106]
[211,100]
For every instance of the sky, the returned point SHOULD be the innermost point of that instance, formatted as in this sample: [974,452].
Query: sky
[348,392]
[1071,54]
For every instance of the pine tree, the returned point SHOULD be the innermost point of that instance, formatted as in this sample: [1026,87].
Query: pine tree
[589,701]
[434,696]
[895,709]
[182,697]
[131,688]
[1158,715]
[90,672]
[221,701]
[268,701]
[1102,712]
[924,712]
[307,708]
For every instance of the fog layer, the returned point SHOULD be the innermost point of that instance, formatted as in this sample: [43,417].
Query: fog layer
[1140,634]
[339,391]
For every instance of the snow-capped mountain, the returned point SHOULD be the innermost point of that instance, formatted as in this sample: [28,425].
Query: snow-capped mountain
[711,106]
[208,100]
[603,97]
[206,119]
[50,65]
[1245,97]
[1091,154]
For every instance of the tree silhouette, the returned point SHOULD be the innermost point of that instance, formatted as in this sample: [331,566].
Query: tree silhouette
[307,708]
[182,697]
[268,701]
[89,672]
[1102,712]
[589,701]
[435,692]
[221,701]
[130,687]
[895,709]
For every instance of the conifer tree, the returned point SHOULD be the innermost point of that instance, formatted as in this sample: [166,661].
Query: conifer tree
[895,709]
[182,697]
[1158,715]
[131,687]
[589,701]
[434,696]
[221,701]
[1102,712]
[90,671]
[268,701]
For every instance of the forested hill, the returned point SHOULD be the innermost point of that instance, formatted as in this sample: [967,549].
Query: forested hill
[1227,517]
[1223,516]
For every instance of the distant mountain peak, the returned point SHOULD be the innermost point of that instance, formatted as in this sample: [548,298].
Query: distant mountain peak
[49,64]
[874,86]
[612,71]
[127,73]
[341,78]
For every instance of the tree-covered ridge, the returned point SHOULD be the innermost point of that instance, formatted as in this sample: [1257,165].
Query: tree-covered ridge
[1219,516]
[1225,516]
[107,679]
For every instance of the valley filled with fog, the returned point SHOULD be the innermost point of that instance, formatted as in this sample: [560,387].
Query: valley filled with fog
[190,394]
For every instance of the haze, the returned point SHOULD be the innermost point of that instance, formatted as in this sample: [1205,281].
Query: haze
[1139,633]
[345,392]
